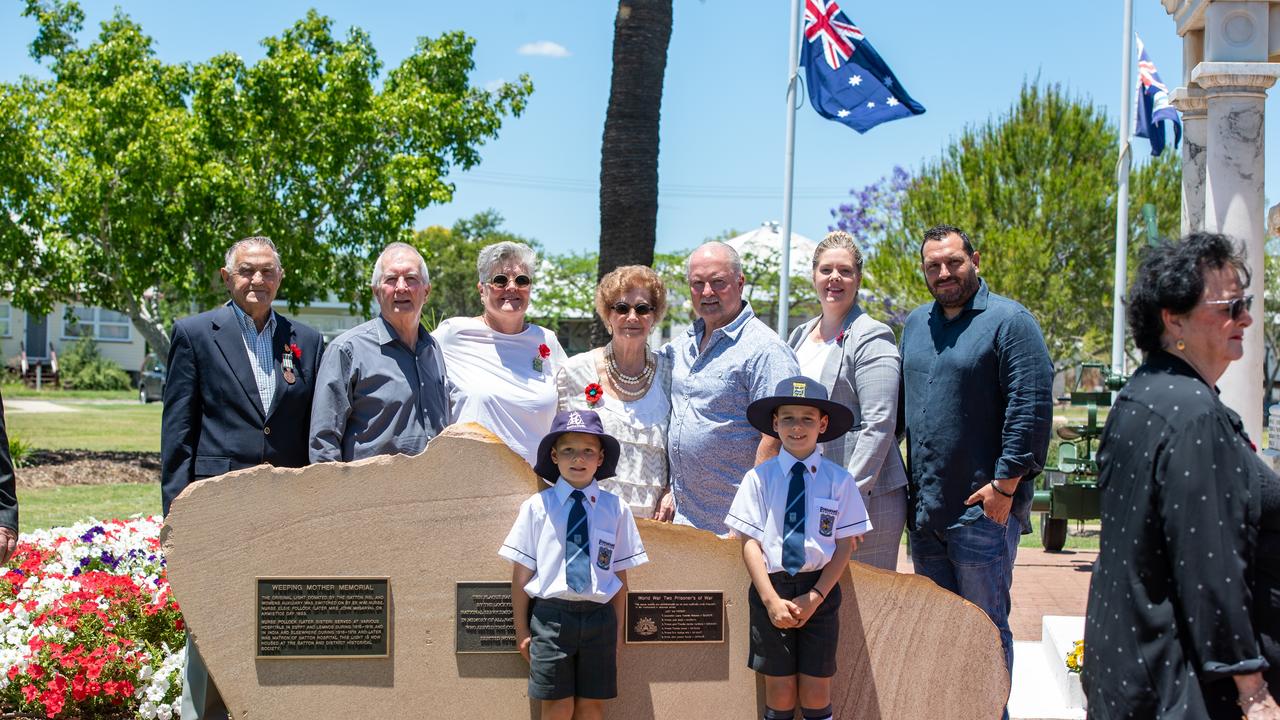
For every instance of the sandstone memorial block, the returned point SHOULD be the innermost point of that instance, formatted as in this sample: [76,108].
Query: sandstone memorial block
[359,570]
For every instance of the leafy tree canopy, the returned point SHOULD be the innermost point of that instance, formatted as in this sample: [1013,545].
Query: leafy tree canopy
[123,179]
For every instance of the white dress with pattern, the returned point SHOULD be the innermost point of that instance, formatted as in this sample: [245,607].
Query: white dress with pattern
[640,426]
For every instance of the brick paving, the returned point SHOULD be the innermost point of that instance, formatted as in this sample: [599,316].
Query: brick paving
[1043,584]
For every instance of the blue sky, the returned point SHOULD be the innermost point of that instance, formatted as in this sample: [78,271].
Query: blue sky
[723,108]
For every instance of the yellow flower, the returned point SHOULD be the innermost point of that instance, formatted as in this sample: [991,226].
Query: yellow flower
[1075,658]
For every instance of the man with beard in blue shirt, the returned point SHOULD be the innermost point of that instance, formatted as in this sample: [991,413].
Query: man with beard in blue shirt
[977,405]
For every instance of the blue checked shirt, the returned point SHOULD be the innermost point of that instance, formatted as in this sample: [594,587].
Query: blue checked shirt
[258,345]
[710,444]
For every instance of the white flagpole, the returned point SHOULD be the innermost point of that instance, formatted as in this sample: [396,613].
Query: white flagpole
[793,72]
[1122,198]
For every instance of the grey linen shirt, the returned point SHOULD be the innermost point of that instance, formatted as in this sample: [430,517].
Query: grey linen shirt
[376,397]
[977,406]
[710,444]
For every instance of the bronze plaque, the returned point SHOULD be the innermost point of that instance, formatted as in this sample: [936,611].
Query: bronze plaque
[323,617]
[675,617]
[484,622]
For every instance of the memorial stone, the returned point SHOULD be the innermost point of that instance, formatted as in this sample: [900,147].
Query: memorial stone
[421,533]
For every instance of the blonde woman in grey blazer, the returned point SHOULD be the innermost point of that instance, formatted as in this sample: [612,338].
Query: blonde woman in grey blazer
[857,358]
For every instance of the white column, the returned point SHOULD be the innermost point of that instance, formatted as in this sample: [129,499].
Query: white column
[1234,204]
[1191,103]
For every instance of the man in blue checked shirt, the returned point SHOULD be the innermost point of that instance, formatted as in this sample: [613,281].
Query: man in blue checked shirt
[726,360]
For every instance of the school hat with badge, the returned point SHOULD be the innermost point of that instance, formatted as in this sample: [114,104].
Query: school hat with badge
[577,421]
[800,390]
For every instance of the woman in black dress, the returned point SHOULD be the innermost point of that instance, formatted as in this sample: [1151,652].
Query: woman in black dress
[1172,630]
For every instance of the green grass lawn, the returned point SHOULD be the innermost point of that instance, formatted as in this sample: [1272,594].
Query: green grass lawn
[61,506]
[18,390]
[1086,541]
[108,426]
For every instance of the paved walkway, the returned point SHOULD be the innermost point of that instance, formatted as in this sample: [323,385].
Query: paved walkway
[35,406]
[1043,584]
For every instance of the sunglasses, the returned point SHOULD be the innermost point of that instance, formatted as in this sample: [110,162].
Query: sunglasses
[1235,306]
[501,281]
[641,309]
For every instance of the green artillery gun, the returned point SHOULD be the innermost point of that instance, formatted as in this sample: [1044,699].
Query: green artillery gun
[1069,490]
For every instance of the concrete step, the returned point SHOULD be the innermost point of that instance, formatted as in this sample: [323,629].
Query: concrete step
[1037,692]
[1058,636]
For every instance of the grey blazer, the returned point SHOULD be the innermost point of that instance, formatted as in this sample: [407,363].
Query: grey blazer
[864,374]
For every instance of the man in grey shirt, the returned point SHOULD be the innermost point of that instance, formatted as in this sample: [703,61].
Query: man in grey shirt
[380,389]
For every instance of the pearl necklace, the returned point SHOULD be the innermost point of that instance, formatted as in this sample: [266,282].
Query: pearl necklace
[618,379]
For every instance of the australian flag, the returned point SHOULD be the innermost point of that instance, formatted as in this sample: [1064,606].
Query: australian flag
[1153,105]
[848,81]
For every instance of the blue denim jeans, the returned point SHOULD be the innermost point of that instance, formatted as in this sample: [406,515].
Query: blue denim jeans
[974,561]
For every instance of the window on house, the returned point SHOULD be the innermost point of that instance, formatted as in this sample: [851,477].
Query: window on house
[6,320]
[96,323]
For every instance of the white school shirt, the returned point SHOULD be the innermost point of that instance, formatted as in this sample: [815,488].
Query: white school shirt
[833,508]
[493,381]
[537,541]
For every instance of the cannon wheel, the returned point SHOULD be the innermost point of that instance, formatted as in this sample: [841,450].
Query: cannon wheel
[1053,532]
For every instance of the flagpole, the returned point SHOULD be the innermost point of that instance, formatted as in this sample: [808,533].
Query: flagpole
[793,74]
[1122,197]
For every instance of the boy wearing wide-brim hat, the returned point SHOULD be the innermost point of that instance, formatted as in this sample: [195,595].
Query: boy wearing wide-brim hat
[799,515]
[570,548]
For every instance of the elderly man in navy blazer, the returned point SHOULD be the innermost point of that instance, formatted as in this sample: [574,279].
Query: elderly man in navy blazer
[238,394]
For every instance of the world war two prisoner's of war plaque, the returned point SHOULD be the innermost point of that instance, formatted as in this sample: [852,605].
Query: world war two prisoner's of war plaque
[322,617]
[484,623]
[675,617]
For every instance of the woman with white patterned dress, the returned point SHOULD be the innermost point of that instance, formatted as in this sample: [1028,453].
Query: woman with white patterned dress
[627,384]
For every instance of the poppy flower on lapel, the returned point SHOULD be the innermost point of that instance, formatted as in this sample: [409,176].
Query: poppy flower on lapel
[544,352]
[594,394]
[297,351]
[840,338]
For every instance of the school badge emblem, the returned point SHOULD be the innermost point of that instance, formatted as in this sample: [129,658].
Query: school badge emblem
[604,555]
[826,521]
[797,389]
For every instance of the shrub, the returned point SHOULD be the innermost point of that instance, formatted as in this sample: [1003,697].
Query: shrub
[19,451]
[84,368]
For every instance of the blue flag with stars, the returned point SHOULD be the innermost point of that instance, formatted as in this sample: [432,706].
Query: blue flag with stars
[1153,105]
[848,81]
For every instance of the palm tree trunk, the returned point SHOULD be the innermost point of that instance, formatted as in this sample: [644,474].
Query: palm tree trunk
[629,156]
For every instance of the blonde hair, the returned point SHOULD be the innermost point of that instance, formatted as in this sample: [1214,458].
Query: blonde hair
[838,240]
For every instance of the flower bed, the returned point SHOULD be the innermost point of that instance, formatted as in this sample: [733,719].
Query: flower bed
[88,627]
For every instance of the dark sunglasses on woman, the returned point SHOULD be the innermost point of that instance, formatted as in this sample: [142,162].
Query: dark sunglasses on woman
[641,309]
[1235,306]
[501,281]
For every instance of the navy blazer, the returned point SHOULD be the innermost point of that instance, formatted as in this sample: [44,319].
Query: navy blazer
[213,417]
[8,486]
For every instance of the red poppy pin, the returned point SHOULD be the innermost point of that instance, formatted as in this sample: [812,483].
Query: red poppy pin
[840,338]
[544,352]
[594,394]
[297,351]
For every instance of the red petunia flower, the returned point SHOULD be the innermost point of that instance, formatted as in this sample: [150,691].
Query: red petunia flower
[544,351]
[594,394]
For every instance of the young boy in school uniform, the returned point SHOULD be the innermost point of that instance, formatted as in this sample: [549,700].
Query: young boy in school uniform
[570,548]
[799,516]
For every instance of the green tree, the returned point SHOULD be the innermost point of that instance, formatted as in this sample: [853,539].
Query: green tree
[1268,313]
[126,178]
[1036,191]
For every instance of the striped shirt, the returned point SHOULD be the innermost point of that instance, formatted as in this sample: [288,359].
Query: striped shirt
[258,345]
